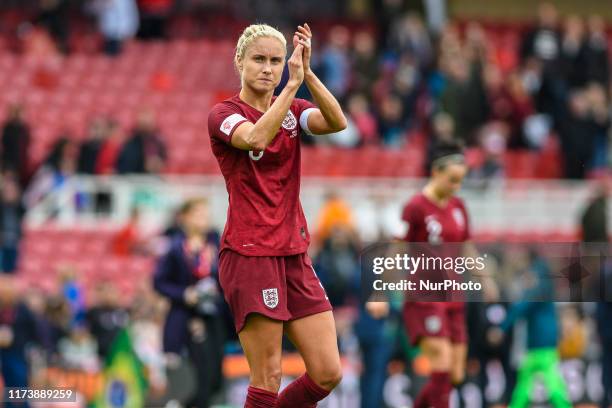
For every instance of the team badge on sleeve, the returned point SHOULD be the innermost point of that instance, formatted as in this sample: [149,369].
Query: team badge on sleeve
[270,297]
[230,122]
[433,324]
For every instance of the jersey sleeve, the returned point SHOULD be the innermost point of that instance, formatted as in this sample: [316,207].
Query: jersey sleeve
[223,120]
[303,109]
[410,216]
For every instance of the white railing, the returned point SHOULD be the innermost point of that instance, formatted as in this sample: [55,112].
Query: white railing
[510,205]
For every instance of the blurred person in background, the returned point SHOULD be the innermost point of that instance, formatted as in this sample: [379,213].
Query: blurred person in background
[16,144]
[391,126]
[574,67]
[361,115]
[538,309]
[54,172]
[54,15]
[144,152]
[90,148]
[596,52]
[187,274]
[543,41]
[409,37]
[106,317]
[79,350]
[129,240]
[12,212]
[601,117]
[335,61]
[17,331]
[153,18]
[594,229]
[109,149]
[117,22]
[365,64]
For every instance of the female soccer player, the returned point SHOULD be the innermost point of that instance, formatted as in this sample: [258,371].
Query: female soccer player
[266,275]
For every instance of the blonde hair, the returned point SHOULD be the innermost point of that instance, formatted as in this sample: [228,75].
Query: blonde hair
[253,32]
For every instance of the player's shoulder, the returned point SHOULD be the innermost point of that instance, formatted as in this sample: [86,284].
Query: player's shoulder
[228,105]
[417,200]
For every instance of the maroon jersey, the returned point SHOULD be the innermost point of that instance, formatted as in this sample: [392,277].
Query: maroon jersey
[265,217]
[434,225]
[427,222]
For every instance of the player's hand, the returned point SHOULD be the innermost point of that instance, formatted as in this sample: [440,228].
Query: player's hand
[304,36]
[296,67]
[378,310]
[6,336]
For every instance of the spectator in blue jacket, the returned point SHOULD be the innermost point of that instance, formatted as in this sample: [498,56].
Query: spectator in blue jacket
[187,275]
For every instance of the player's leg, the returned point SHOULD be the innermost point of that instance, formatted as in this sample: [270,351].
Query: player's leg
[553,380]
[458,336]
[259,307]
[313,332]
[314,337]
[524,382]
[427,327]
[261,340]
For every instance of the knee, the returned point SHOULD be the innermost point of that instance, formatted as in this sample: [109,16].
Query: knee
[329,377]
[267,378]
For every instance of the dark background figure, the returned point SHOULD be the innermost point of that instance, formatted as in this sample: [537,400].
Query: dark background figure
[54,15]
[11,217]
[15,144]
[153,18]
[595,230]
[187,275]
[17,331]
[106,318]
[596,52]
[144,152]
[91,147]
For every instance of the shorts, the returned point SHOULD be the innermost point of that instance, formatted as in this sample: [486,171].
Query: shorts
[435,319]
[279,287]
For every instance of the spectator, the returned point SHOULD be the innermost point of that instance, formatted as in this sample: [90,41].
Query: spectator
[54,16]
[78,351]
[117,21]
[16,144]
[464,98]
[90,148]
[600,113]
[144,152]
[596,52]
[335,213]
[56,170]
[365,62]
[409,37]
[361,116]
[11,216]
[577,132]
[543,42]
[573,53]
[187,276]
[17,330]
[109,150]
[391,127]
[129,241]
[335,62]
[153,17]
[106,318]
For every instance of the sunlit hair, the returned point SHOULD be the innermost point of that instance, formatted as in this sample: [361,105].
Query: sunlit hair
[250,34]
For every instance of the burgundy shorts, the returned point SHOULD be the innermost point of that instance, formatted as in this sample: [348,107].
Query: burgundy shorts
[279,287]
[435,319]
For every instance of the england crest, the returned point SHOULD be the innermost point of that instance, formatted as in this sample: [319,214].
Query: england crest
[270,297]
[290,122]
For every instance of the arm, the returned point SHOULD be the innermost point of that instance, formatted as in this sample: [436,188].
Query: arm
[258,136]
[162,282]
[329,118]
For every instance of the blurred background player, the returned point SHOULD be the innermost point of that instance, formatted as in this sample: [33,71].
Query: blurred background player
[542,359]
[266,275]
